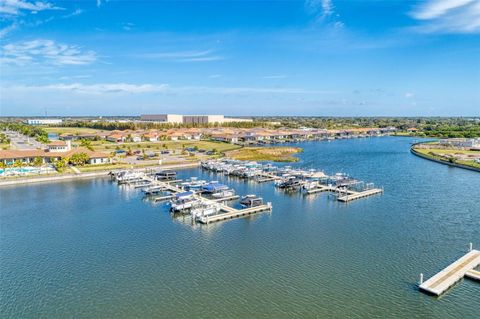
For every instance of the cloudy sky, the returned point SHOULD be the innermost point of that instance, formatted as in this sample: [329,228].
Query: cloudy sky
[286,57]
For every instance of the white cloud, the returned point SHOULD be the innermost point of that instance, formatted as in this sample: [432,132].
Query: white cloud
[8,29]
[99,3]
[184,56]
[409,95]
[127,26]
[323,8]
[76,12]
[15,7]
[101,88]
[45,52]
[448,16]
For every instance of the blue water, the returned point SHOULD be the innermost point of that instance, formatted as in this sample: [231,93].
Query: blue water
[90,249]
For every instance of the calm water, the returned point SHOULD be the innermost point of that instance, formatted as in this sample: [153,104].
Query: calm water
[90,249]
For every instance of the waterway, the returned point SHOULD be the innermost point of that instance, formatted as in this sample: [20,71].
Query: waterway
[90,249]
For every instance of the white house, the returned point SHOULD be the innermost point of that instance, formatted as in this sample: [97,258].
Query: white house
[59,146]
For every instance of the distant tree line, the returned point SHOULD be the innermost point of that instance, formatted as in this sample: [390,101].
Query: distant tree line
[426,126]
[110,126]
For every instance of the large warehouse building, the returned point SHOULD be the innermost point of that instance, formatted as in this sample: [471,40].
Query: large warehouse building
[190,119]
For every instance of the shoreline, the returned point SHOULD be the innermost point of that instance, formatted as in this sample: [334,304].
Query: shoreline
[416,153]
[69,177]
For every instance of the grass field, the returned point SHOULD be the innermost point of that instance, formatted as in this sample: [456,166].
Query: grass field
[444,151]
[70,130]
[274,154]
[438,154]
[162,145]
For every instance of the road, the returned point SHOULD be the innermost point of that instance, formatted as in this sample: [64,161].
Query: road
[22,142]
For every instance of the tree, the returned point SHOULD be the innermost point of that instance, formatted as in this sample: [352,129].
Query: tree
[60,164]
[38,161]
[17,163]
[79,159]
[86,143]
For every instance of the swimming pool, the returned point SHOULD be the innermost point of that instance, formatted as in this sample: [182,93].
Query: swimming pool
[13,171]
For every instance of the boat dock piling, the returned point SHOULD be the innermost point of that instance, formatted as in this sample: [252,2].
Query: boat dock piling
[462,267]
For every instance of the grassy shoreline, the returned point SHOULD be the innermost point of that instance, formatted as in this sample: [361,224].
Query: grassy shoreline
[429,153]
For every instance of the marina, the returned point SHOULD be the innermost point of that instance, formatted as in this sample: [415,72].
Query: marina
[128,256]
[462,267]
[341,186]
[187,198]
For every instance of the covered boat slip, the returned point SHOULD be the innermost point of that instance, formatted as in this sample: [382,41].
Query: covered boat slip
[224,211]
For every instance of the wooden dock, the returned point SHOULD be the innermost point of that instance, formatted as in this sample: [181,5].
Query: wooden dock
[351,195]
[163,198]
[227,211]
[267,178]
[321,189]
[226,199]
[235,213]
[446,278]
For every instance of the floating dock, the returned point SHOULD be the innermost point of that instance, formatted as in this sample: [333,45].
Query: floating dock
[226,199]
[235,213]
[446,278]
[228,212]
[352,195]
[473,274]
[163,198]
[320,189]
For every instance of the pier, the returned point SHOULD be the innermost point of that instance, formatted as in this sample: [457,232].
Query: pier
[235,213]
[462,267]
[225,211]
[352,195]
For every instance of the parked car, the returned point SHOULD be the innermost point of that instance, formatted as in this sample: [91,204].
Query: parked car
[210,153]
[120,151]
[165,152]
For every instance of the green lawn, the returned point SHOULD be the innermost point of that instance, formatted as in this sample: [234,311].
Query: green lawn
[275,154]
[70,130]
[445,151]
[161,145]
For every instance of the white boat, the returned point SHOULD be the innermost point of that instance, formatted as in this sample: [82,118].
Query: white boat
[205,210]
[125,176]
[224,193]
[183,201]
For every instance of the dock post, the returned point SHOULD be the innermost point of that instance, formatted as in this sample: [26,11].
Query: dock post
[471,246]
[421,278]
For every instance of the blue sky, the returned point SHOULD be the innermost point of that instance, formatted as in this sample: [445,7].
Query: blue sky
[314,57]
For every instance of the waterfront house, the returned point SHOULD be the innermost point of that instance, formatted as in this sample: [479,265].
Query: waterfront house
[116,137]
[28,156]
[59,146]
[151,136]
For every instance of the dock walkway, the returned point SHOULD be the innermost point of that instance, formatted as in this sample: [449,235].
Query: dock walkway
[446,278]
[357,195]
[235,213]
[228,212]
